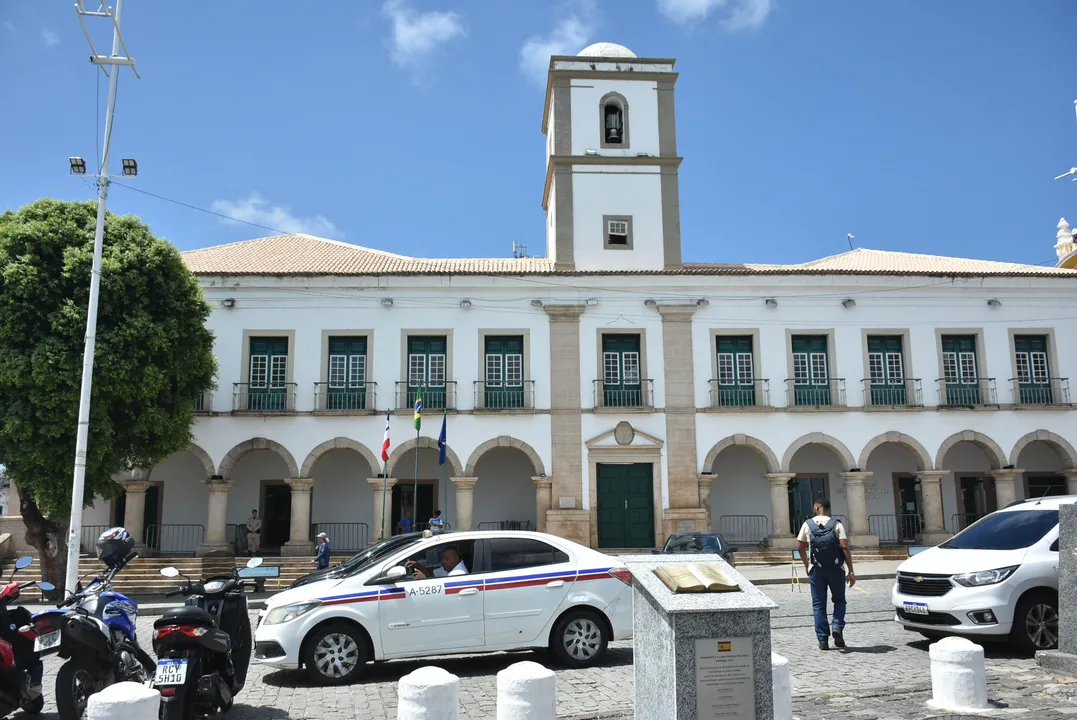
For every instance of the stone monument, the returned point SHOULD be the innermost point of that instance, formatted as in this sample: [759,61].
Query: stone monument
[700,655]
[1064,659]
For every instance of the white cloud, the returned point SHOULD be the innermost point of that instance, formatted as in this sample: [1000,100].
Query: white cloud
[570,35]
[736,14]
[256,209]
[51,37]
[417,34]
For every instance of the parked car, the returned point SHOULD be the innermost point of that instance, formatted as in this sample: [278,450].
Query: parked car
[360,560]
[696,543]
[995,580]
[510,591]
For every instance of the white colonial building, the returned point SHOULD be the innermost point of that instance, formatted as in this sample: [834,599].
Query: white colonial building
[612,392]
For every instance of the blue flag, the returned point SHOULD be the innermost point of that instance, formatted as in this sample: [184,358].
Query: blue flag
[441,440]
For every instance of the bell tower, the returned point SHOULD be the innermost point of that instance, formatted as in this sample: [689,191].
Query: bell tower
[611,196]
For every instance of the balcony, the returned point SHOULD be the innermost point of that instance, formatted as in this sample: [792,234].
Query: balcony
[624,395]
[740,395]
[1049,391]
[817,393]
[435,397]
[204,404]
[510,398]
[967,393]
[353,399]
[250,399]
[894,393]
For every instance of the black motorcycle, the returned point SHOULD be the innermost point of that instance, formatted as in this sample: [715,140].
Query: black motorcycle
[203,648]
[20,663]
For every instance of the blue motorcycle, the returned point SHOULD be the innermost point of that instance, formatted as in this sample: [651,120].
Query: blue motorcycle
[94,631]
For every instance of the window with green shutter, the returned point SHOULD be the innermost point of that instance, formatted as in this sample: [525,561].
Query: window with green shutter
[1033,371]
[811,370]
[735,371]
[427,362]
[886,365]
[503,366]
[268,374]
[346,386]
[621,374]
[960,370]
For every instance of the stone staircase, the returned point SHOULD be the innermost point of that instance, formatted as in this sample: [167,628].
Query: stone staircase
[754,555]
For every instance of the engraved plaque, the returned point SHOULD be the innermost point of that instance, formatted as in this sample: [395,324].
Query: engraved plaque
[725,678]
[566,502]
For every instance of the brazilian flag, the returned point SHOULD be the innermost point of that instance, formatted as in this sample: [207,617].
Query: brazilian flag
[419,410]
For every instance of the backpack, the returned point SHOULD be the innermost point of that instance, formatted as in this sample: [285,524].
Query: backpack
[826,549]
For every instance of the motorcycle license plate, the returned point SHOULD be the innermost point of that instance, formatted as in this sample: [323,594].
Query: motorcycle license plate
[49,641]
[171,672]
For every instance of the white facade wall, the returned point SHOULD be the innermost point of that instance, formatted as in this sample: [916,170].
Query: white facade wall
[642,97]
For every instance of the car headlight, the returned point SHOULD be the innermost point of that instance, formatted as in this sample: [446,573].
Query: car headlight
[289,612]
[985,577]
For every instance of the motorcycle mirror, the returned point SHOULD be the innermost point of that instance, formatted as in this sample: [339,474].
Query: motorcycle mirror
[46,586]
[24,562]
[254,562]
[170,571]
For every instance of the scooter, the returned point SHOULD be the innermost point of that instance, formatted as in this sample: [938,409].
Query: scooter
[94,631]
[203,648]
[20,663]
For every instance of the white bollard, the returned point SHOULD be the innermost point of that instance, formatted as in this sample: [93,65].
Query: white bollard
[526,691]
[124,701]
[783,687]
[429,693]
[958,677]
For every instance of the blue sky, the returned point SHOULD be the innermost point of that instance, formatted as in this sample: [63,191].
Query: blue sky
[414,125]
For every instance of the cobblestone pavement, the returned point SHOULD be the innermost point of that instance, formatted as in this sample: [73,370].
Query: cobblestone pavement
[883,674]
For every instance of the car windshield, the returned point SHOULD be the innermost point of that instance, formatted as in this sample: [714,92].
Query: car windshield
[1013,530]
[361,560]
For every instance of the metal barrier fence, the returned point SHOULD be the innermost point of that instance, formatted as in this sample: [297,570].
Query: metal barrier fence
[88,539]
[840,518]
[174,539]
[507,525]
[960,521]
[343,537]
[898,529]
[744,529]
[237,535]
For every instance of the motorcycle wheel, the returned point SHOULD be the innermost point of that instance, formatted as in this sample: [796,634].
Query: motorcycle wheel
[75,683]
[178,707]
[35,706]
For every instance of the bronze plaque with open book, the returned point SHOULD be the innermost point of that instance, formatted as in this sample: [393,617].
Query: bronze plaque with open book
[696,578]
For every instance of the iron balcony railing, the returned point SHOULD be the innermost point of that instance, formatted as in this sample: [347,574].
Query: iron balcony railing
[816,393]
[507,525]
[639,394]
[203,405]
[744,529]
[504,397]
[900,528]
[174,539]
[263,399]
[754,393]
[354,397]
[967,392]
[1045,391]
[343,536]
[435,397]
[893,393]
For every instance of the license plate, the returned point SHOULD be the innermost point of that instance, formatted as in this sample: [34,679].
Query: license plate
[915,608]
[49,641]
[171,672]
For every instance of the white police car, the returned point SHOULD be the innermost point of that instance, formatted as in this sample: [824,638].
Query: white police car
[507,591]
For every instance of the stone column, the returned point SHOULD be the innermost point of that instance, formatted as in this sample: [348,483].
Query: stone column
[934,531]
[857,501]
[1071,481]
[680,404]
[1006,485]
[465,491]
[134,516]
[299,542]
[780,537]
[216,540]
[383,495]
[704,482]
[543,499]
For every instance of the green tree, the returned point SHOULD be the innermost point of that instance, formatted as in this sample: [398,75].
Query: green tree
[154,358]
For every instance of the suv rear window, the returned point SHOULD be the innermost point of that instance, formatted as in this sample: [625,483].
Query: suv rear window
[1013,530]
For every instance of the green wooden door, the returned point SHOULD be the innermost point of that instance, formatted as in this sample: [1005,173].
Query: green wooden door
[346,389]
[504,383]
[736,371]
[621,381]
[887,367]
[811,370]
[959,370]
[268,376]
[625,506]
[803,492]
[1033,372]
[426,370]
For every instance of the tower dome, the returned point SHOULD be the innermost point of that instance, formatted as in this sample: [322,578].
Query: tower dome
[606,49]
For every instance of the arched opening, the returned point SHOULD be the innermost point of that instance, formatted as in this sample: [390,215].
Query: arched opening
[817,469]
[259,483]
[739,502]
[179,483]
[341,505]
[614,121]
[434,489]
[504,497]
[893,493]
[1043,463]
[969,492]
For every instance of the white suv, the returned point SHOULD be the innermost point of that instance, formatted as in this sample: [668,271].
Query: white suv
[996,580]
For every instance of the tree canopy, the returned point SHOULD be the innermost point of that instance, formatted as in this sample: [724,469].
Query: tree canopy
[154,353]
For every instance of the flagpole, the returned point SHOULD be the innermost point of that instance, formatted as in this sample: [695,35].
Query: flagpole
[415,490]
[384,477]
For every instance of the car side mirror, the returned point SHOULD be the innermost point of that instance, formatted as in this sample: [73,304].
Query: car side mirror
[395,573]
[732,549]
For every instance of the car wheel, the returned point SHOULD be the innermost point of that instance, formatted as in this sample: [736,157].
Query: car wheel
[1035,623]
[335,654]
[579,639]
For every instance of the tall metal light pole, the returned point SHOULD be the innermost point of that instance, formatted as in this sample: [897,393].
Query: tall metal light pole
[110,65]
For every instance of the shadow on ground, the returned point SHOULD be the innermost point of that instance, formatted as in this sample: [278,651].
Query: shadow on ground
[867,650]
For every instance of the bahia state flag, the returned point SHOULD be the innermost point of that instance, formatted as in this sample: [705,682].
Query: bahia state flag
[419,410]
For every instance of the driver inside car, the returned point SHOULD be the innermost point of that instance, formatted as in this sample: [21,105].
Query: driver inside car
[451,564]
